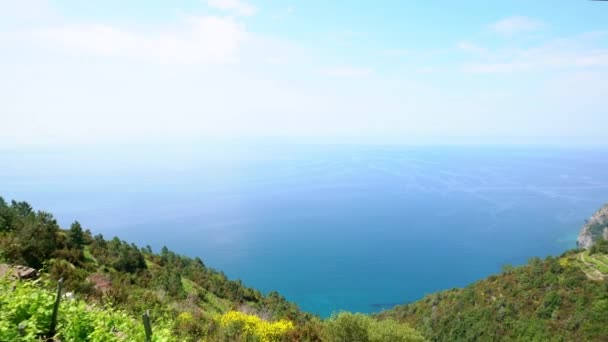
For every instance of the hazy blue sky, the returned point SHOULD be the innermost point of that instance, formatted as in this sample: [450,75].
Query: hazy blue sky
[114,71]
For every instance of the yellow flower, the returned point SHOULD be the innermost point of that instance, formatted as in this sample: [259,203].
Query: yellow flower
[252,325]
[185,317]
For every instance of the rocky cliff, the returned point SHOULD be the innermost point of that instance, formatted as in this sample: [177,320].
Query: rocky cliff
[595,227]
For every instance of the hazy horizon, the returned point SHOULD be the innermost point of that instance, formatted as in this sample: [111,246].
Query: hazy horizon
[474,72]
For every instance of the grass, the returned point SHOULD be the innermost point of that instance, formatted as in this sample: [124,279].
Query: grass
[88,257]
[151,265]
[213,305]
[594,266]
[597,263]
[603,258]
[189,286]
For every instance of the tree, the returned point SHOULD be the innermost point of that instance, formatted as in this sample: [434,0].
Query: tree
[171,281]
[148,250]
[128,258]
[38,236]
[5,213]
[199,262]
[164,256]
[76,236]
[22,208]
[3,224]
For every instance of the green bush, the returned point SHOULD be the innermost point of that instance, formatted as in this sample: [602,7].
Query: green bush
[349,327]
[391,331]
[29,305]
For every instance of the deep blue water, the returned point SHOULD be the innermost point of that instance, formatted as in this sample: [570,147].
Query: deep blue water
[332,228]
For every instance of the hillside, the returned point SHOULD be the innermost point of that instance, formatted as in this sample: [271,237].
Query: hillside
[561,298]
[113,283]
[128,277]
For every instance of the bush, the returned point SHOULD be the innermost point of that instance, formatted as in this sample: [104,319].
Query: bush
[391,331]
[238,326]
[30,305]
[349,327]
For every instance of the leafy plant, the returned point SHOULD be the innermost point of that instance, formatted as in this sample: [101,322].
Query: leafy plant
[26,309]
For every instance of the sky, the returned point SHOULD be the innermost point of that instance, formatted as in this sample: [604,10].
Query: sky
[79,73]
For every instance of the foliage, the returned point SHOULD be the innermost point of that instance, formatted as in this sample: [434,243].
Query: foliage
[599,246]
[239,326]
[555,299]
[31,235]
[597,229]
[390,330]
[347,326]
[546,300]
[29,305]
[76,236]
[117,274]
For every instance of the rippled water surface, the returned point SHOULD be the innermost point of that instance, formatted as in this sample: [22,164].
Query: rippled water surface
[330,227]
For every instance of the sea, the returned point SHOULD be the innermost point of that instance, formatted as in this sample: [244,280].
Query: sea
[330,227]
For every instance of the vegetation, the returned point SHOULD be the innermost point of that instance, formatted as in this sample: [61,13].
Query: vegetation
[599,247]
[347,326]
[26,310]
[121,276]
[597,229]
[115,282]
[556,299]
[235,325]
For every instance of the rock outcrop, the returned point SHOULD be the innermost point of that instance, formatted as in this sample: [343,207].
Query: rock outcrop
[595,227]
[18,272]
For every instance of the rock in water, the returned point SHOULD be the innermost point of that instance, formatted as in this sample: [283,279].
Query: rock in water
[596,227]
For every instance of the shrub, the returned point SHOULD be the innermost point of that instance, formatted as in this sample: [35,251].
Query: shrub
[30,305]
[391,331]
[235,325]
[349,327]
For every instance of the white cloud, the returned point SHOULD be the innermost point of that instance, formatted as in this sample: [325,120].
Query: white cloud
[239,7]
[515,25]
[578,52]
[199,40]
[348,72]
[542,59]
[281,87]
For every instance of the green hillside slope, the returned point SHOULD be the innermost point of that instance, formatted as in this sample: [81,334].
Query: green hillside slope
[115,282]
[556,299]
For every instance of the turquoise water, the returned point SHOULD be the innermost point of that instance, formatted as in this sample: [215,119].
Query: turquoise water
[332,228]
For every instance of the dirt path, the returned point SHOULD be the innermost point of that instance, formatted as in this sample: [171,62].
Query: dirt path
[596,274]
[601,262]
